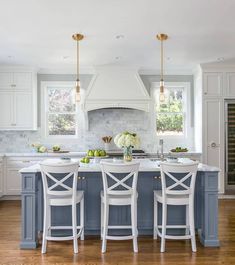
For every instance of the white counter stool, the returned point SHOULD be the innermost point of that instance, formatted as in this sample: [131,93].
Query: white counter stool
[60,189]
[118,191]
[176,191]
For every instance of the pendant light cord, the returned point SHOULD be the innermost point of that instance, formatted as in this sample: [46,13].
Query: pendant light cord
[161,60]
[77,60]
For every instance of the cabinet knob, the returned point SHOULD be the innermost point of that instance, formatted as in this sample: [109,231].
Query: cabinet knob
[83,177]
[79,177]
[213,144]
[205,93]
[157,177]
[13,124]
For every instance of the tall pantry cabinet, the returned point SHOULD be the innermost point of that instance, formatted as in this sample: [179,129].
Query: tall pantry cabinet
[213,85]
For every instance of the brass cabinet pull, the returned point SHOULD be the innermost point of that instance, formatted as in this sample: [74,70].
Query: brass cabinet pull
[79,177]
[26,161]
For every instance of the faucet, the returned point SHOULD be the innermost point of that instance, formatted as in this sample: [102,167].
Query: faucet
[161,143]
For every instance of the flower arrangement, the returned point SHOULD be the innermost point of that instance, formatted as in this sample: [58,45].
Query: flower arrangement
[127,139]
[39,148]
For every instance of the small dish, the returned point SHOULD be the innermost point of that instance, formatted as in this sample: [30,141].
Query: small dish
[171,159]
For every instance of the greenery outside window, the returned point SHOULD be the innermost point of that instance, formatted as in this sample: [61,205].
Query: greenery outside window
[171,118]
[60,111]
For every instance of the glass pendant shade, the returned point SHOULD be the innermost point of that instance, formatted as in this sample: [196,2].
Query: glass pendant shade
[161,93]
[78,94]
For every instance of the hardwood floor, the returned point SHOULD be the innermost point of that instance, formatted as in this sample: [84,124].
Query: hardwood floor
[177,252]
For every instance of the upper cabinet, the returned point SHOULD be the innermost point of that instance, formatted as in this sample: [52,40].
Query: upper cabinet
[18,99]
[230,85]
[212,84]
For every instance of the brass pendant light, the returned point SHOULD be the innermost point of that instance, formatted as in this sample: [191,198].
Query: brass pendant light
[78,37]
[162,37]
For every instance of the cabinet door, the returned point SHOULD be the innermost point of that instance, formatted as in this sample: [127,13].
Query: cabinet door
[147,183]
[212,84]
[1,178]
[6,110]
[13,181]
[6,81]
[22,81]
[92,185]
[23,110]
[213,136]
[230,85]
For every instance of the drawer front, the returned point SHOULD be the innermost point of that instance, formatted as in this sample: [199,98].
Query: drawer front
[25,162]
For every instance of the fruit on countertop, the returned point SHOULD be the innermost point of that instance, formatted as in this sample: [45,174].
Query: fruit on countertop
[56,148]
[179,149]
[39,147]
[96,153]
[85,160]
[42,149]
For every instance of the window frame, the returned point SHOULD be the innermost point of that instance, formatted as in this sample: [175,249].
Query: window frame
[45,113]
[186,108]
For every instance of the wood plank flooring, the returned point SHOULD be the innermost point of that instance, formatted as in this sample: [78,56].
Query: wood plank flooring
[177,252]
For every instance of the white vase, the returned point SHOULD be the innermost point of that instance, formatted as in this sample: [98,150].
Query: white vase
[107,146]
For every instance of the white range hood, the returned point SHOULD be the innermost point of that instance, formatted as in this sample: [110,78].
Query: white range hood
[116,87]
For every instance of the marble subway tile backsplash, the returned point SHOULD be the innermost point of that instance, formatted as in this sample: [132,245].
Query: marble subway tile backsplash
[101,122]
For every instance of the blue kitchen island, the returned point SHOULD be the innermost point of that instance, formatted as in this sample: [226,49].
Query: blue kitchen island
[90,180]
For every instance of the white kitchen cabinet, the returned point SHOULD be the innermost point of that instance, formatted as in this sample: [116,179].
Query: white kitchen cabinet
[23,117]
[12,178]
[230,85]
[213,140]
[212,84]
[18,100]
[7,108]
[1,177]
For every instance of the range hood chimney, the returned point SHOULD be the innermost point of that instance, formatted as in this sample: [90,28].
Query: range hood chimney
[116,87]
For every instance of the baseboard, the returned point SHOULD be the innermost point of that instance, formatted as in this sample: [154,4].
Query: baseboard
[226,196]
[10,198]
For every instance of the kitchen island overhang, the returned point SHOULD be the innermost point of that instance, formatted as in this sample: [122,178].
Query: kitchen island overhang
[90,180]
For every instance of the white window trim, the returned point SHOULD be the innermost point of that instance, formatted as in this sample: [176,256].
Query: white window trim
[187,110]
[44,125]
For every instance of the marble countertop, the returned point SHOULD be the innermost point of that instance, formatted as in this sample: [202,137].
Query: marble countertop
[82,153]
[146,165]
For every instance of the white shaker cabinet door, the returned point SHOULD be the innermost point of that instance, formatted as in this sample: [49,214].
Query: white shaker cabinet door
[22,81]
[23,110]
[13,181]
[213,136]
[1,177]
[213,84]
[230,85]
[6,110]
[6,81]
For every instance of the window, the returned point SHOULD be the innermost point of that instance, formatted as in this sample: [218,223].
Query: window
[60,113]
[171,118]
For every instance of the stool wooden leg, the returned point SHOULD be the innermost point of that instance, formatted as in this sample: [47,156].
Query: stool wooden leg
[82,218]
[155,220]
[134,225]
[45,229]
[74,224]
[105,228]
[192,227]
[101,219]
[187,230]
[164,222]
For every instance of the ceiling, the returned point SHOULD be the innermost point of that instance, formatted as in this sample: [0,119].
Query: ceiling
[38,32]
